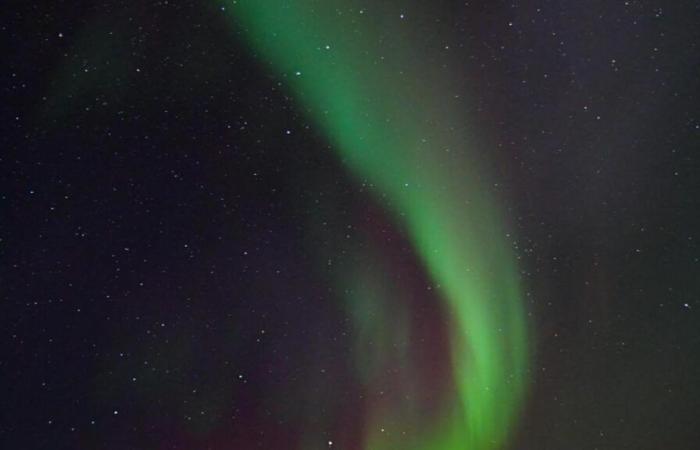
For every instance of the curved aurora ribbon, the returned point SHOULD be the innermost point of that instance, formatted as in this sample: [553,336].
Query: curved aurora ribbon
[395,123]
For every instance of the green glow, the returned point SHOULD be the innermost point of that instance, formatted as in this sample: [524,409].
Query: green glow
[396,123]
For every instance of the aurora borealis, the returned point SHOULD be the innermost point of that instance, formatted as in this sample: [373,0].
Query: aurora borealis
[349,225]
[407,155]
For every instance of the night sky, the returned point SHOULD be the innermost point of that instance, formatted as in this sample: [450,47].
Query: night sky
[350,224]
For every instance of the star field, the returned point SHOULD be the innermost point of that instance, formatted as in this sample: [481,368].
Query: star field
[237,225]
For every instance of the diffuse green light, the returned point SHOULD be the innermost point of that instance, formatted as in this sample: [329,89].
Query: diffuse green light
[395,123]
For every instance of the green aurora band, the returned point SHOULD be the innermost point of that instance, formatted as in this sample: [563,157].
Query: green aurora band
[398,126]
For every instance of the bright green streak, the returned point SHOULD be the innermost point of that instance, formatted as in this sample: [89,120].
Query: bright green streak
[396,125]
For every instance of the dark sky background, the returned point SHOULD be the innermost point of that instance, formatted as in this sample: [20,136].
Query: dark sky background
[158,287]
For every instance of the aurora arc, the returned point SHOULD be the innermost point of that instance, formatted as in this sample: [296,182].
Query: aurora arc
[397,126]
